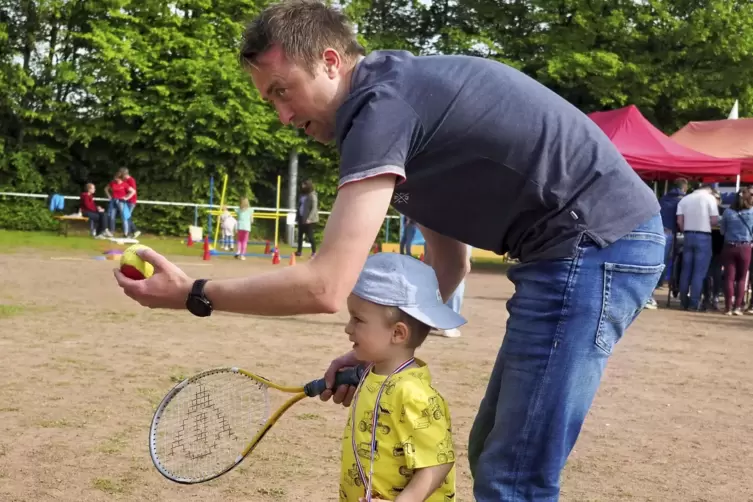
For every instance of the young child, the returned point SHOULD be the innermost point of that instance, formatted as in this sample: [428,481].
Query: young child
[245,216]
[393,306]
[228,224]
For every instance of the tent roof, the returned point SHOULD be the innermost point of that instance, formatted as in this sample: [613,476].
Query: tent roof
[652,153]
[732,139]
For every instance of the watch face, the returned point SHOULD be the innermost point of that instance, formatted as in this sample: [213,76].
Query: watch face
[199,307]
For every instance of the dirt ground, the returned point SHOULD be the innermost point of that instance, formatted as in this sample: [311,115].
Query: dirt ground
[83,368]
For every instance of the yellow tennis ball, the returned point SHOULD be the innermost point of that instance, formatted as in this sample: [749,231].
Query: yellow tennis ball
[132,266]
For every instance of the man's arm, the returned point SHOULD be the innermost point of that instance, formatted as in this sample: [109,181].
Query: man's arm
[319,285]
[449,259]
[680,223]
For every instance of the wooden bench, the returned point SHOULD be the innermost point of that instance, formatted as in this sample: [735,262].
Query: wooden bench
[65,221]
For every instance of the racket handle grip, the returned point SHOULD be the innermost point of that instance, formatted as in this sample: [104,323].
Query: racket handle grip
[350,376]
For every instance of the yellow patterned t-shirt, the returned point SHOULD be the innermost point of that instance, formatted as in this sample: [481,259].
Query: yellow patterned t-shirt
[413,431]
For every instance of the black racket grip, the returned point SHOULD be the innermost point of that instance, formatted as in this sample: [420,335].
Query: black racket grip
[350,376]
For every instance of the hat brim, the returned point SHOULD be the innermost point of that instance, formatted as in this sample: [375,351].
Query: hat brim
[439,317]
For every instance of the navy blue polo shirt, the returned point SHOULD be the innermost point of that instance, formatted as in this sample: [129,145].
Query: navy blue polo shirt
[487,155]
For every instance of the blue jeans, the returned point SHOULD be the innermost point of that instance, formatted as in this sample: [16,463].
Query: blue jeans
[670,238]
[566,317]
[696,257]
[131,225]
[113,210]
[409,232]
[456,300]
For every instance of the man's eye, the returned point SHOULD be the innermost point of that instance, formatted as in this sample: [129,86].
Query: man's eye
[280,92]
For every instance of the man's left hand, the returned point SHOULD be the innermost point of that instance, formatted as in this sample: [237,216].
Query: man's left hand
[168,288]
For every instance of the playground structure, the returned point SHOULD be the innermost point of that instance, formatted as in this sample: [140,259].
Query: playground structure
[256,214]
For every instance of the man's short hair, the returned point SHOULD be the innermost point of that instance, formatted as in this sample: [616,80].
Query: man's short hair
[681,183]
[303,29]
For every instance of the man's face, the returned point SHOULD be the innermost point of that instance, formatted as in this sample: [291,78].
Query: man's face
[307,100]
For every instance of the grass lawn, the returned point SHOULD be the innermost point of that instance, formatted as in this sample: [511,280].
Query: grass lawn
[12,241]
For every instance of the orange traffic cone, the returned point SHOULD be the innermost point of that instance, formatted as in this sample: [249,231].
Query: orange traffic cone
[266,248]
[375,248]
[276,257]
[421,257]
[189,242]
[292,259]
[206,249]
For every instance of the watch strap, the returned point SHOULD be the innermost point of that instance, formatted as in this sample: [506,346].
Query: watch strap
[198,288]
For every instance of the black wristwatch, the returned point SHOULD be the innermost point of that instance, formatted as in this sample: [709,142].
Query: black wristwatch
[197,303]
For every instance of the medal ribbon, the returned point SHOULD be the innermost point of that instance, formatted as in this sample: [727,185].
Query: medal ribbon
[374,422]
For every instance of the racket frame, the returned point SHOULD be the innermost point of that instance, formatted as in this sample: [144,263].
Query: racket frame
[311,389]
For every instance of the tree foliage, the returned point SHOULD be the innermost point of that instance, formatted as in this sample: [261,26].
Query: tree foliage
[87,87]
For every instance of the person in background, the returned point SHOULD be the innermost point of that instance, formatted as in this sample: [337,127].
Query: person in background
[118,191]
[96,214]
[668,203]
[737,228]
[131,202]
[455,302]
[245,217]
[713,285]
[697,213]
[308,216]
[409,233]
[228,223]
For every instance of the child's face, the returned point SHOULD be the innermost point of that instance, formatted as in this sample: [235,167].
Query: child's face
[370,330]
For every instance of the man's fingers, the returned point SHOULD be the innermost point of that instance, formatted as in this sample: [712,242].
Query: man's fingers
[151,256]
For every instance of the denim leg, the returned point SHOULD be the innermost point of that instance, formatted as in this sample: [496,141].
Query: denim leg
[565,318]
[112,213]
[701,259]
[131,224]
[686,272]
[456,300]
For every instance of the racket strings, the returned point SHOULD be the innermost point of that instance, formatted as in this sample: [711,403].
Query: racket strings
[205,427]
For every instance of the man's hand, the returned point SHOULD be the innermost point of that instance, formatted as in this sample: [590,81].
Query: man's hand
[168,288]
[344,393]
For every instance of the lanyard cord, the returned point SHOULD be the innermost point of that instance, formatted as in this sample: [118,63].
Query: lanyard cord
[374,421]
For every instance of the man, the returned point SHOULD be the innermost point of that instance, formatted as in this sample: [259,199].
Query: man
[668,203]
[477,153]
[697,214]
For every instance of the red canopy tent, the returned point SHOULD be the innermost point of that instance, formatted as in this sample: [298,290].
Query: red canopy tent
[655,156]
[732,139]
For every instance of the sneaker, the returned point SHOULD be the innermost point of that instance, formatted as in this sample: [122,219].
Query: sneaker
[651,304]
[738,312]
[136,234]
[729,312]
[447,333]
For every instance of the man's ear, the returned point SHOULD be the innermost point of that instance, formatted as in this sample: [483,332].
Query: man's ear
[332,62]
[400,333]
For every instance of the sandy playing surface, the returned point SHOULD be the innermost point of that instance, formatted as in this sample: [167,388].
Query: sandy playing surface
[83,368]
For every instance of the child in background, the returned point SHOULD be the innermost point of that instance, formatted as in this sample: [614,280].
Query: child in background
[244,227]
[228,224]
[393,306]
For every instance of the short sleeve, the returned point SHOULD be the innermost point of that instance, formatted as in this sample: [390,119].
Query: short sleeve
[713,207]
[428,440]
[679,209]
[377,133]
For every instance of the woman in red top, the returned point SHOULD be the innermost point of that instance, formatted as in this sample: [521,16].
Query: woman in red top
[127,178]
[118,192]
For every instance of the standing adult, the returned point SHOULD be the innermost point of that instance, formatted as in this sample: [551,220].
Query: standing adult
[409,233]
[737,228]
[697,213]
[477,153]
[131,202]
[668,203]
[308,216]
[118,191]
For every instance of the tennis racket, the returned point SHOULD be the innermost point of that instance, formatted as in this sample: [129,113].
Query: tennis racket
[208,423]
